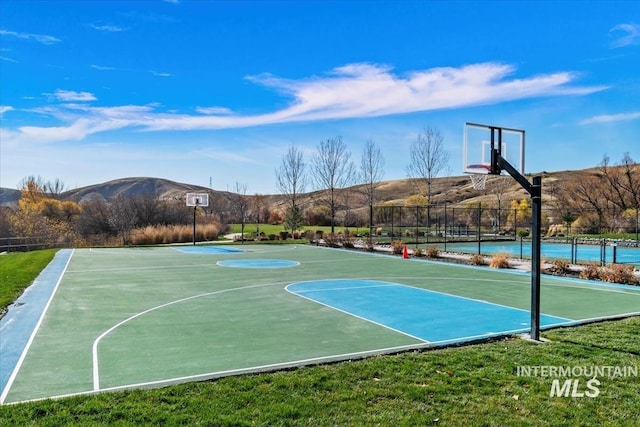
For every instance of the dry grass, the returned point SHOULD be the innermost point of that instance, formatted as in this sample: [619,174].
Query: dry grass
[477,260]
[499,261]
[432,252]
[165,234]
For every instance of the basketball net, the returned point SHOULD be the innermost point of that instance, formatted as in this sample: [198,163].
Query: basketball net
[478,180]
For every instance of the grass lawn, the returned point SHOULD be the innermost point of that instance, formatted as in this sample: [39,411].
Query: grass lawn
[18,270]
[474,385]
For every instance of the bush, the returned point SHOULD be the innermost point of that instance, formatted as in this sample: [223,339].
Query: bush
[284,235]
[417,252]
[618,273]
[397,247]
[499,261]
[559,267]
[432,252]
[590,272]
[477,260]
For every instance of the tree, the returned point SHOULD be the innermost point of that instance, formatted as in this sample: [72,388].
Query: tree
[371,171]
[122,217]
[240,204]
[291,177]
[293,218]
[332,171]
[499,186]
[42,216]
[427,158]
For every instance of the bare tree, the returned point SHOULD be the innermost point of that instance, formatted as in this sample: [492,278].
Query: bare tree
[499,187]
[332,171]
[622,182]
[427,158]
[240,203]
[122,217]
[291,178]
[371,171]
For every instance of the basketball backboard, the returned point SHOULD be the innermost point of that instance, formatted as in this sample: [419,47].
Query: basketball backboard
[479,142]
[198,199]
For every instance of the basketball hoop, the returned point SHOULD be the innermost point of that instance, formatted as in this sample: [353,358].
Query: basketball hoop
[478,181]
[478,175]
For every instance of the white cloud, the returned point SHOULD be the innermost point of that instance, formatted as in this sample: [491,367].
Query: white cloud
[5,108]
[624,35]
[155,73]
[101,67]
[351,91]
[214,110]
[107,28]
[40,38]
[5,58]
[69,96]
[610,118]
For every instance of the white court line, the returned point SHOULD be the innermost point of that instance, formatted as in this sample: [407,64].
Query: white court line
[94,347]
[247,370]
[382,325]
[435,292]
[14,374]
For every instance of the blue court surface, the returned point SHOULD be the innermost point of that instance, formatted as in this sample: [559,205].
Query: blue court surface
[584,253]
[420,313]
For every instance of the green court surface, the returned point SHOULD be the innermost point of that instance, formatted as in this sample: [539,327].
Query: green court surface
[149,317]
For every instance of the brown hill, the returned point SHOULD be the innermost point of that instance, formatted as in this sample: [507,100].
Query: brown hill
[456,189]
[132,187]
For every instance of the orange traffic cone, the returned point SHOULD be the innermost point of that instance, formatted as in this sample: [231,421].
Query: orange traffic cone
[405,252]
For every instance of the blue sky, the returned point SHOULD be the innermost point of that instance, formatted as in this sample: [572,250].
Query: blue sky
[201,92]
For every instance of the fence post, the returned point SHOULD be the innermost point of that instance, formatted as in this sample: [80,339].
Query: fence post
[478,227]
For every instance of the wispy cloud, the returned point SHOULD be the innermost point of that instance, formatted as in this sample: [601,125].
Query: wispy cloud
[101,67]
[107,28]
[4,58]
[5,108]
[351,91]
[610,118]
[40,38]
[71,96]
[214,110]
[624,35]
[156,73]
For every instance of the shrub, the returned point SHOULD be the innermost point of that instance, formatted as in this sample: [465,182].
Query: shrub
[618,273]
[417,252]
[397,246]
[432,252]
[590,272]
[499,261]
[332,240]
[477,260]
[284,235]
[346,241]
[560,267]
[272,236]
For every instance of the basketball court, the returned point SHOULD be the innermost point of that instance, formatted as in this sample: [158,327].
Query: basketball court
[109,319]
